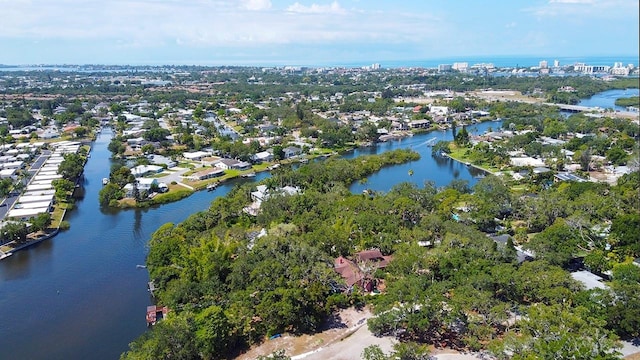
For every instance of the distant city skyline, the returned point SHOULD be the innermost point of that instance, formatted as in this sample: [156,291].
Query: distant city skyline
[280,32]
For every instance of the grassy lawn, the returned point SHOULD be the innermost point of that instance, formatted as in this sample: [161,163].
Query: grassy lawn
[57,214]
[186,165]
[261,167]
[460,155]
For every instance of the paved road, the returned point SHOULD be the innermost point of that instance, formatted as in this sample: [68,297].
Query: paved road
[176,175]
[8,202]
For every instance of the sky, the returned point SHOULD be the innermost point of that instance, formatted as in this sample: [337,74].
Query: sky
[315,32]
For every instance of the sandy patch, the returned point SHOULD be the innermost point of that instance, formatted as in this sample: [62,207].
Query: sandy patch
[349,327]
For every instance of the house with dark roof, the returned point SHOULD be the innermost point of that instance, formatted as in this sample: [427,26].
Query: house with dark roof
[359,270]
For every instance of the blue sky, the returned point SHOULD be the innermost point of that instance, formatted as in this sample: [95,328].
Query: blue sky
[316,32]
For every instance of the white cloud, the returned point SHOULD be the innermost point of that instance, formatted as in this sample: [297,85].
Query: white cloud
[256,5]
[210,23]
[333,8]
[511,25]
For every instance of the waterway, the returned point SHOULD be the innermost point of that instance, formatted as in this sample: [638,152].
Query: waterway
[80,294]
[441,171]
[607,99]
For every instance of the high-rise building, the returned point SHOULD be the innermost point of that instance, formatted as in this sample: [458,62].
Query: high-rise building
[543,64]
[460,66]
[556,63]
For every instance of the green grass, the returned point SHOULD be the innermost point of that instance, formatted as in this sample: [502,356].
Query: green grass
[460,155]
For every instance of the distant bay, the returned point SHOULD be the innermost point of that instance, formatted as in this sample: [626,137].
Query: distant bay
[497,61]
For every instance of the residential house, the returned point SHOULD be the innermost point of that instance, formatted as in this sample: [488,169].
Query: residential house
[228,164]
[263,156]
[206,174]
[143,170]
[291,151]
[196,155]
[144,184]
[359,271]
[161,160]
[420,124]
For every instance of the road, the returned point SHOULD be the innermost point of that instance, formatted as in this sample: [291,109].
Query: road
[8,202]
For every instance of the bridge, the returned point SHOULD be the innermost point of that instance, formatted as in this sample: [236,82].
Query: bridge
[576,108]
[579,108]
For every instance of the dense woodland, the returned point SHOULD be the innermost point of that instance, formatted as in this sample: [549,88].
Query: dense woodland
[229,288]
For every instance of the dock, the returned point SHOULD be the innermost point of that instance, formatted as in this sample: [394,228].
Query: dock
[152,287]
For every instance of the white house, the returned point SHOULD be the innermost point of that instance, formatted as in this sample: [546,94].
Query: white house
[228,164]
[206,174]
[439,110]
[262,157]
[196,155]
[142,170]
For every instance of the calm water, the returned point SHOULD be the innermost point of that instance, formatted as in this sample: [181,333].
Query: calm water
[437,169]
[607,99]
[80,295]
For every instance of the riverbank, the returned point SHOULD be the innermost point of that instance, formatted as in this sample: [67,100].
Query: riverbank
[9,248]
[457,154]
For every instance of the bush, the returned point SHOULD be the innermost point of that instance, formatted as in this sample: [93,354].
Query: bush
[64,225]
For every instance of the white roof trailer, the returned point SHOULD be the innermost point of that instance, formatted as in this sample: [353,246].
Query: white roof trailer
[35,198]
[26,214]
[38,187]
[40,192]
[33,205]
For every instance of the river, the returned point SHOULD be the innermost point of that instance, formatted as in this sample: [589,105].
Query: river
[607,99]
[80,294]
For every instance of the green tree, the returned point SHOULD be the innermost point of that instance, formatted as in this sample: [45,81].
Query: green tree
[214,332]
[63,188]
[109,193]
[116,146]
[172,338]
[121,176]
[558,332]
[71,167]
[41,221]
[462,137]
[557,244]
[617,156]
[624,233]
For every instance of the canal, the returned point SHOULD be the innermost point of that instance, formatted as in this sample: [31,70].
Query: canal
[80,295]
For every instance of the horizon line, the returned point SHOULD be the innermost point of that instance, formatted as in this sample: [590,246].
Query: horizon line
[347,63]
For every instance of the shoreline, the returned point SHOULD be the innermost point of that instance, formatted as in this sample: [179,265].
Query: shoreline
[470,164]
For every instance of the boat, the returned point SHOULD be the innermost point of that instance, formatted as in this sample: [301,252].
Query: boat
[249,175]
[141,266]
[273,167]
[212,186]
[105,181]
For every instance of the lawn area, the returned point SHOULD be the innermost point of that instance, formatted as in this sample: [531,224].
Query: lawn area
[460,155]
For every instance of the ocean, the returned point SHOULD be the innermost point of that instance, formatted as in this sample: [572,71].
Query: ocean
[505,61]
[498,61]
